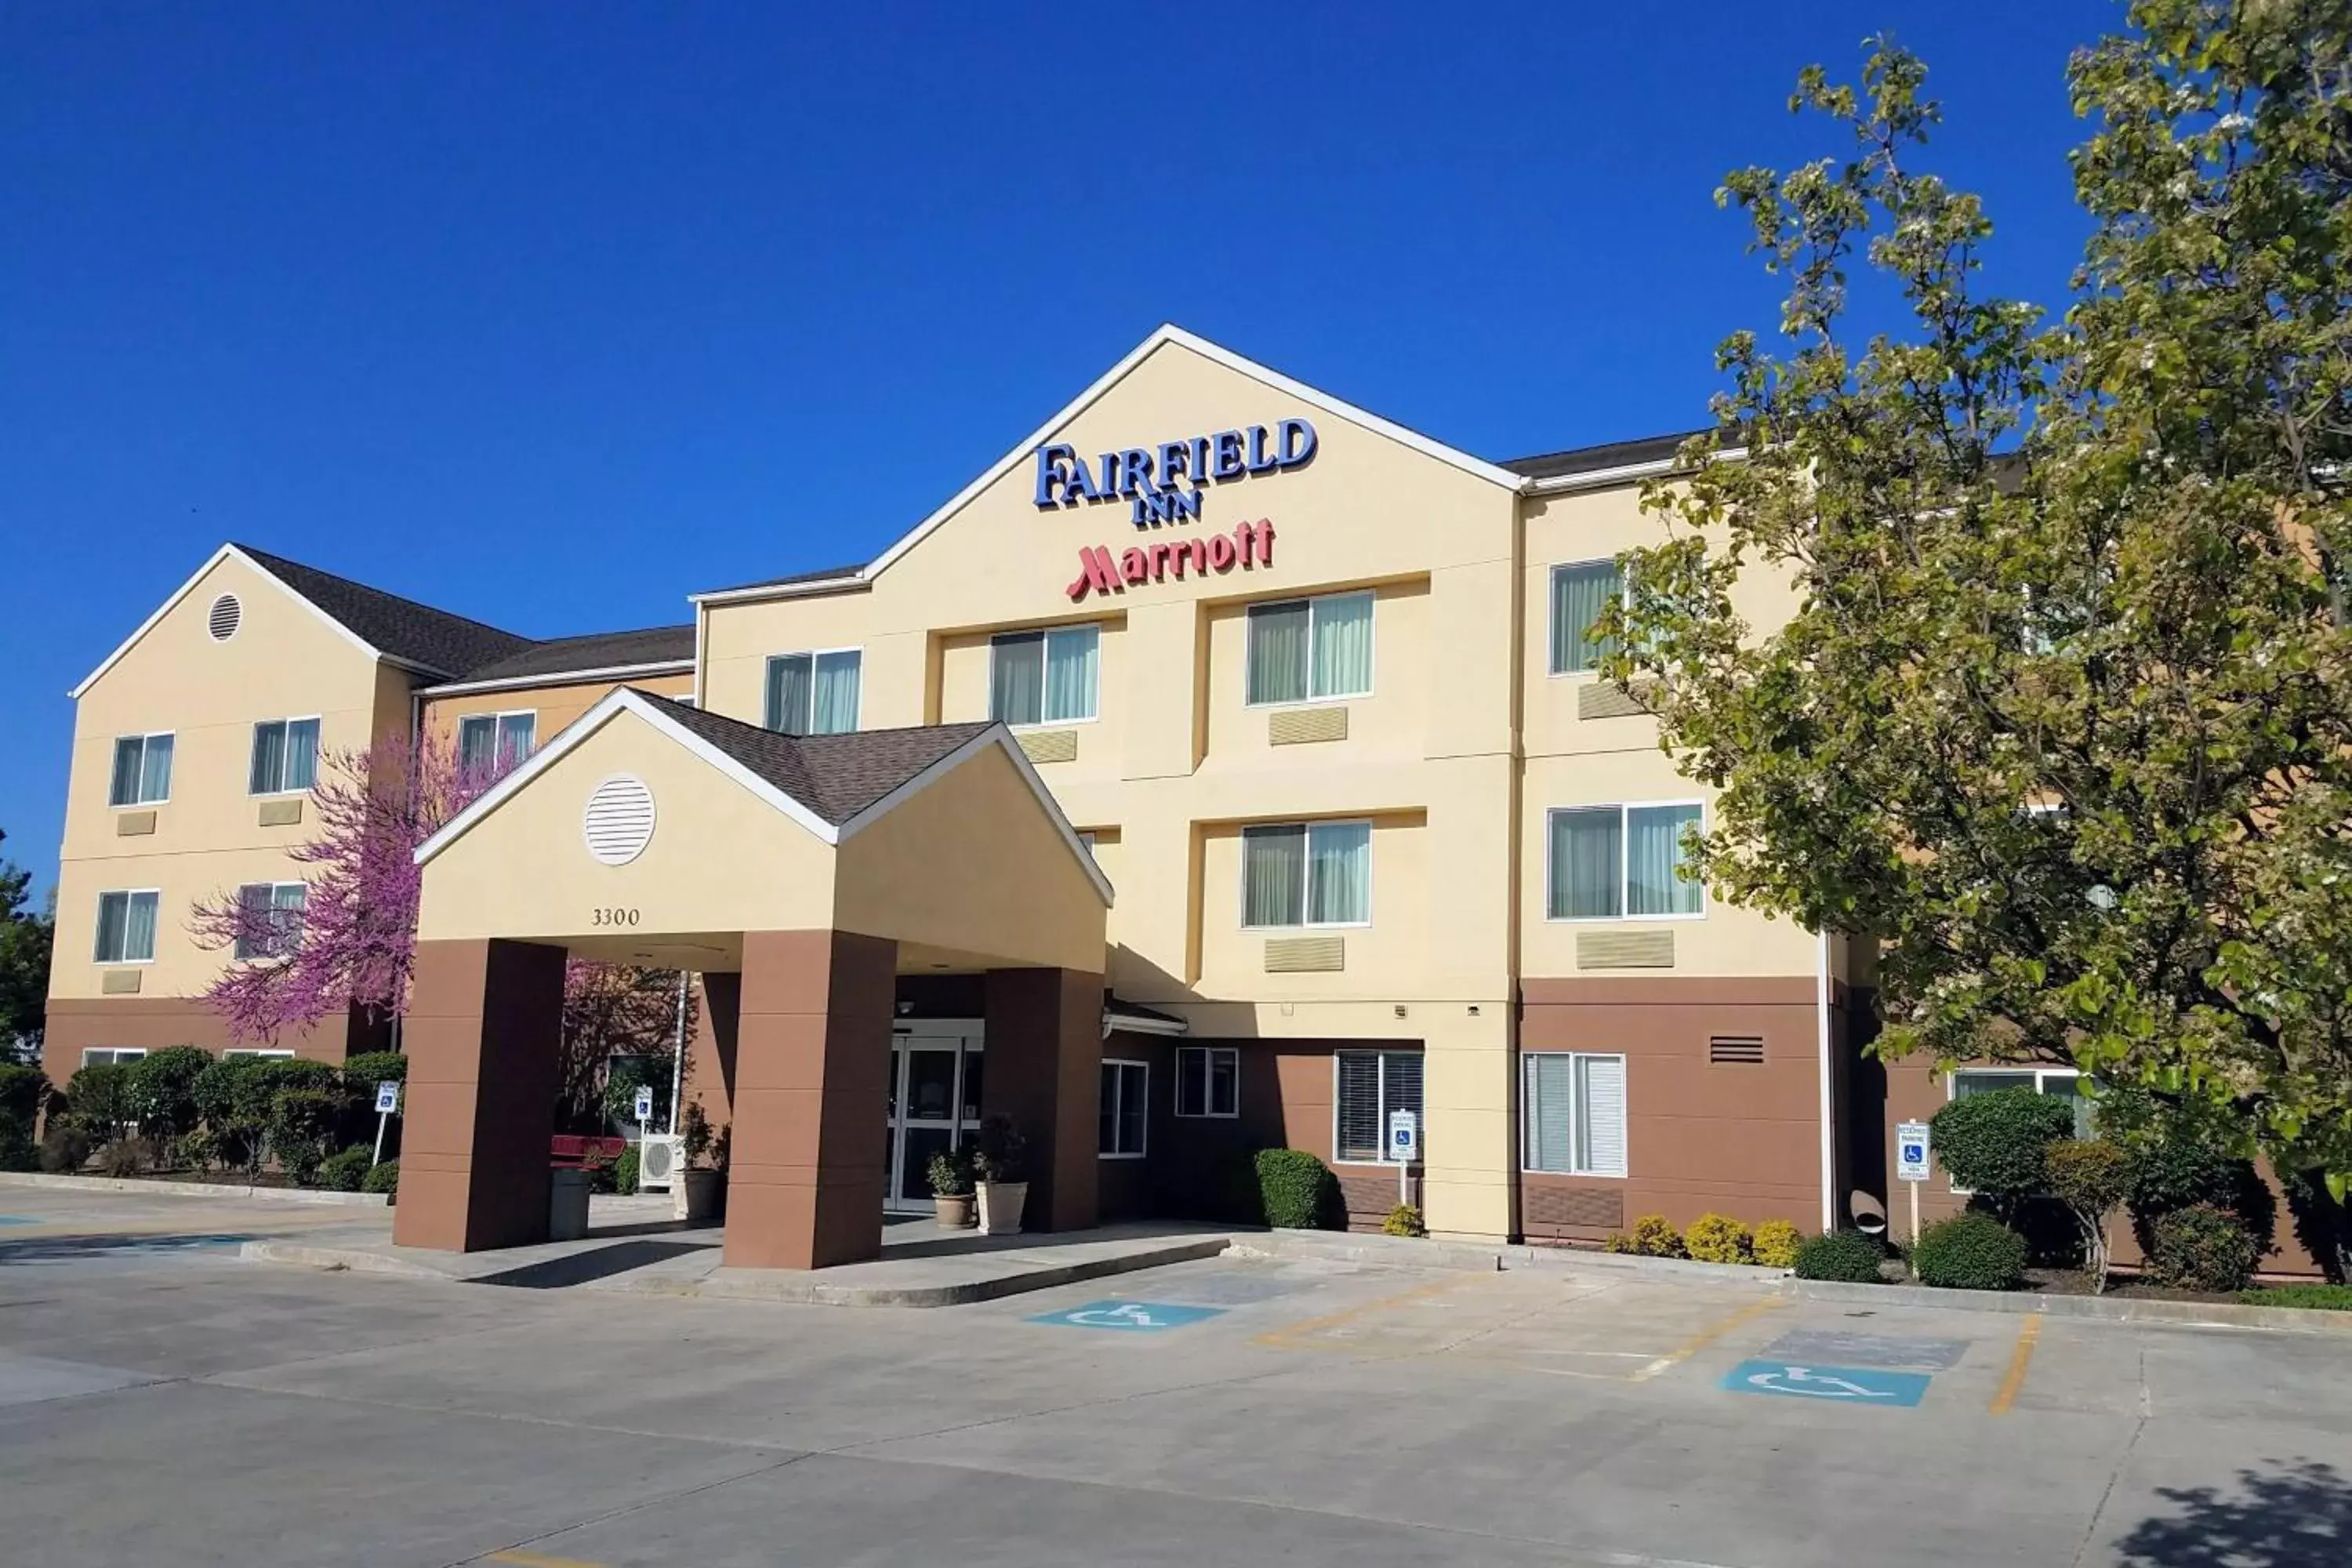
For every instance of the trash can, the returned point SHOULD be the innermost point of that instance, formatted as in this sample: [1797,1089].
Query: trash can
[567,1206]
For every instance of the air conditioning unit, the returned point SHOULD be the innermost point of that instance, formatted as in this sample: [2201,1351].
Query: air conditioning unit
[659,1158]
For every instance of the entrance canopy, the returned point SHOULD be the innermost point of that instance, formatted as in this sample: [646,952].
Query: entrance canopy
[651,832]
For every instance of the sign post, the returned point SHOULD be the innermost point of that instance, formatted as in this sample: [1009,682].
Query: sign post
[1911,1151]
[645,1116]
[1404,1148]
[387,1101]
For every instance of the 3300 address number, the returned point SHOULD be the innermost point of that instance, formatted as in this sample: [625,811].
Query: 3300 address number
[611,915]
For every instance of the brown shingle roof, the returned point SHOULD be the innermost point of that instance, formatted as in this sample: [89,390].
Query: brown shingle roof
[434,640]
[835,776]
[598,650]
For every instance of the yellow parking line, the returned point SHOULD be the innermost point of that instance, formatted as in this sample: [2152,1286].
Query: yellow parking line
[2018,1360]
[1706,1337]
[538,1560]
[1282,1338]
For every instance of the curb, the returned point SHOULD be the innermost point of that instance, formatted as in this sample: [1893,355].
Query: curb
[1488,1258]
[191,1189]
[358,1260]
[2180,1314]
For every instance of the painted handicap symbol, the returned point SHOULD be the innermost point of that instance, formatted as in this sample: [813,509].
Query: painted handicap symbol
[1853,1385]
[1128,1317]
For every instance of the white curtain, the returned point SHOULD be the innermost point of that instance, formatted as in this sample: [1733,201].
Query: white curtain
[1653,849]
[1071,669]
[476,746]
[834,708]
[1016,683]
[1274,863]
[269,759]
[302,753]
[139,927]
[113,912]
[1584,866]
[1343,646]
[1578,595]
[253,921]
[1278,652]
[787,693]
[155,775]
[1339,872]
[516,733]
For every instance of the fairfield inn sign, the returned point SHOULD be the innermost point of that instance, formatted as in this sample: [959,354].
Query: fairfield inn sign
[1151,480]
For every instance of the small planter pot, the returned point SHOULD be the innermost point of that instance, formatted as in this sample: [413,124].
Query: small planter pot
[1000,1207]
[954,1210]
[694,1194]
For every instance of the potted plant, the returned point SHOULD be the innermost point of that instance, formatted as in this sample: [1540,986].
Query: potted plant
[695,1193]
[952,1187]
[1000,1157]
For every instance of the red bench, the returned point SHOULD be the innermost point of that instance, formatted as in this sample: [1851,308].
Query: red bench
[569,1151]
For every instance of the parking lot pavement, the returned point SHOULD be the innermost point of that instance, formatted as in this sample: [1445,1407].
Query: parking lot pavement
[178,1403]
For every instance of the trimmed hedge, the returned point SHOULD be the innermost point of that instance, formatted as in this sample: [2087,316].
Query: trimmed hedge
[625,1171]
[383,1178]
[1776,1243]
[368,1068]
[1847,1255]
[1719,1238]
[2310,1296]
[1969,1252]
[2203,1248]
[344,1171]
[1299,1191]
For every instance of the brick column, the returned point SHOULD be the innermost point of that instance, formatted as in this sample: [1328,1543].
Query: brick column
[485,1021]
[1044,1071]
[804,1182]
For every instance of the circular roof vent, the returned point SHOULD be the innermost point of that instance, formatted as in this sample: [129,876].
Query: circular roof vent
[619,820]
[226,614]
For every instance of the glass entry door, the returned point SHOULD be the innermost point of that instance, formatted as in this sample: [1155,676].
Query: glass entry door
[935,1079]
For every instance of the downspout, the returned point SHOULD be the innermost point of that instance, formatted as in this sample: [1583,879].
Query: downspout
[677,1056]
[1828,1111]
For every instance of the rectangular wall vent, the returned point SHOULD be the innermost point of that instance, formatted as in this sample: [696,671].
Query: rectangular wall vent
[1304,955]
[1734,1049]
[1605,699]
[1050,745]
[1297,726]
[1625,950]
[119,983]
[281,813]
[133,824]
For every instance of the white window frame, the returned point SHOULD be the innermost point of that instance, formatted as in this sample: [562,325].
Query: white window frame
[1624,865]
[290,721]
[273,887]
[495,721]
[1528,1111]
[142,737]
[1372,670]
[256,1051]
[1207,1056]
[2037,1073]
[1048,633]
[116,1056]
[767,665]
[1552,596]
[1306,872]
[1143,1072]
[98,923]
[1384,1053]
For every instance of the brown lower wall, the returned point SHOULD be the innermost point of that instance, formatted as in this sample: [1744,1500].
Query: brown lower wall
[1742,1139]
[151,1023]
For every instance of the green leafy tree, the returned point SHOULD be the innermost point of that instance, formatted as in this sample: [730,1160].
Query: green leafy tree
[25,939]
[2092,1178]
[1998,1145]
[161,1089]
[2061,710]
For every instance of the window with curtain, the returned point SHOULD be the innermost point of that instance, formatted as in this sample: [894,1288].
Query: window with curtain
[1125,1110]
[1579,593]
[1051,677]
[488,744]
[1609,862]
[143,770]
[126,927]
[1307,874]
[814,693]
[1208,1080]
[1306,650]
[285,756]
[1371,1085]
[269,918]
[1574,1106]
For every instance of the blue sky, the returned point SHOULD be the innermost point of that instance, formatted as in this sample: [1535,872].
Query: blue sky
[550,315]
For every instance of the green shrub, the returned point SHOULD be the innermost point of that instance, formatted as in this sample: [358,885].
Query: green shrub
[1403,1220]
[232,1097]
[125,1156]
[951,1172]
[1969,1252]
[22,1091]
[1719,1238]
[1996,1145]
[1842,1255]
[344,1172]
[301,1120]
[2203,1248]
[625,1171]
[99,1097]
[1620,1242]
[1299,1191]
[2311,1296]
[1000,1151]
[17,1151]
[65,1147]
[382,1178]
[160,1089]
[2179,1169]
[2091,1177]
[1653,1236]
[1776,1243]
[198,1149]
[368,1068]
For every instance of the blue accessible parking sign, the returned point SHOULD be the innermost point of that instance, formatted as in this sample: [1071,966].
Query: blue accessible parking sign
[1836,1384]
[1128,1317]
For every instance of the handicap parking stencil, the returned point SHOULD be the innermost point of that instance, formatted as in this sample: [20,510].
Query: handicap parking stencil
[1828,1384]
[1128,1317]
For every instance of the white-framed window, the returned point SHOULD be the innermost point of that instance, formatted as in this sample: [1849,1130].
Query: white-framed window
[1621,862]
[1574,1110]
[256,1051]
[1050,676]
[1310,650]
[1368,1085]
[1208,1080]
[285,756]
[2064,1083]
[1126,1111]
[1580,591]
[110,1056]
[126,926]
[143,770]
[814,693]
[1307,874]
[490,743]
[269,918]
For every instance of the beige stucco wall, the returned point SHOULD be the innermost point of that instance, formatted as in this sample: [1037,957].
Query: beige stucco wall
[555,705]
[285,661]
